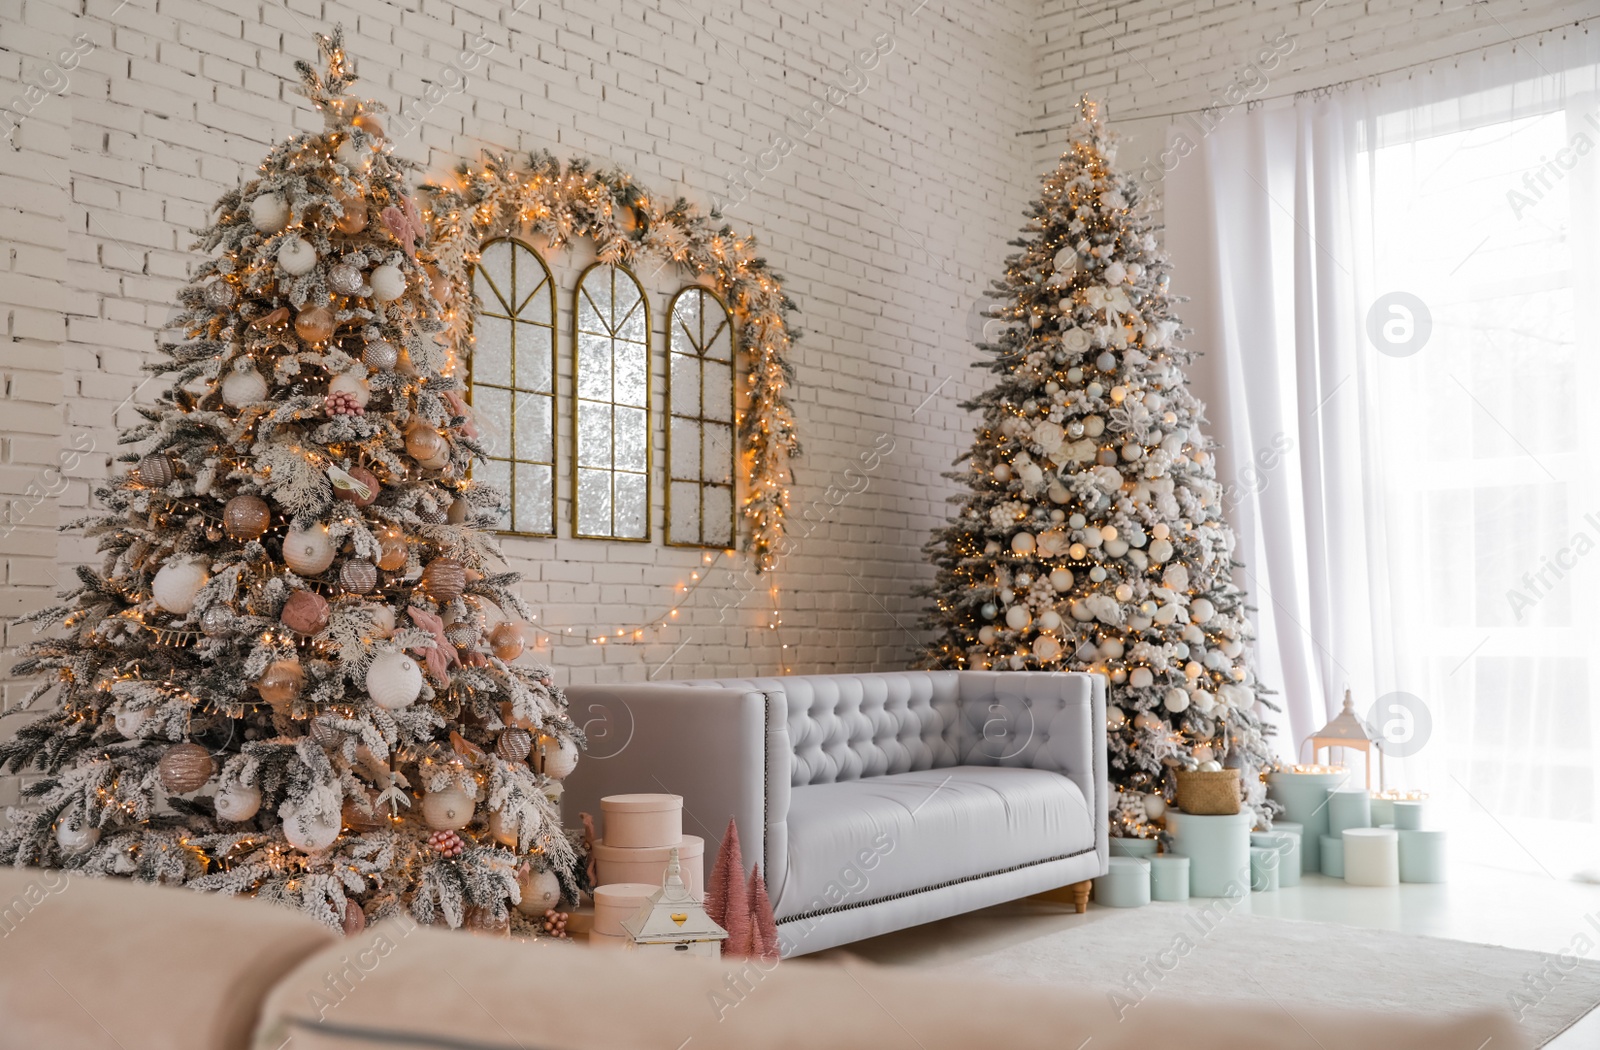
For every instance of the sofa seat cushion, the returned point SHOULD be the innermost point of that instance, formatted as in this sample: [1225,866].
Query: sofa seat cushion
[858,841]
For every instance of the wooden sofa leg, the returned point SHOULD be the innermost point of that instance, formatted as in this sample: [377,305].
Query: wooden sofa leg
[1080,896]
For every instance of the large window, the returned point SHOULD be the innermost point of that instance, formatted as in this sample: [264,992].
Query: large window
[513,382]
[611,413]
[700,426]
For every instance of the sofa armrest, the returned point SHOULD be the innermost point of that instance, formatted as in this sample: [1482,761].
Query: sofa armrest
[725,750]
[1041,720]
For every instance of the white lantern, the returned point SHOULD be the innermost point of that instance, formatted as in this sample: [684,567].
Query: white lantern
[296,257]
[237,802]
[308,551]
[269,212]
[672,922]
[541,891]
[308,833]
[177,584]
[388,283]
[393,680]
[78,839]
[447,810]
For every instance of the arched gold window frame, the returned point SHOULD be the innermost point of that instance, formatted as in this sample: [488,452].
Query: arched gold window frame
[732,422]
[578,401]
[512,316]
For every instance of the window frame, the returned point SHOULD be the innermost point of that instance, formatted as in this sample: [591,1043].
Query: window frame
[732,423]
[649,393]
[511,459]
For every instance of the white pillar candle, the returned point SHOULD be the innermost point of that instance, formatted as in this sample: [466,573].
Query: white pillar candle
[1371,857]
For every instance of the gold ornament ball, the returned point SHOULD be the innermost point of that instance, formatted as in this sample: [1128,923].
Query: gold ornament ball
[314,324]
[185,768]
[246,518]
[462,635]
[391,550]
[281,682]
[380,355]
[369,123]
[427,446]
[157,470]
[354,219]
[444,579]
[506,641]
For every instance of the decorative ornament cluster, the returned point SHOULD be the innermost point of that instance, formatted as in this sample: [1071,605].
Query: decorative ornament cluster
[1092,537]
[629,226]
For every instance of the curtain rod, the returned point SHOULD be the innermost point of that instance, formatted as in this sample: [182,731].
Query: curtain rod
[1330,87]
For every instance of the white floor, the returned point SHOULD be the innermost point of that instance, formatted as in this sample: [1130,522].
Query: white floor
[1479,904]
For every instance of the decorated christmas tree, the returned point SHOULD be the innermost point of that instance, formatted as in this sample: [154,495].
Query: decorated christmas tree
[283,680]
[1091,536]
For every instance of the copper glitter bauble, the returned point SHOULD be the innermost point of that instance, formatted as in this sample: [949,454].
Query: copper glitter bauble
[356,819]
[461,635]
[246,517]
[368,480]
[431,512]
[306,612]
[314,324]
[358,577]
[157,470]
[514,744]
[506,641]
[444,579]
[380,355]
[282,682]
[427,446]
[185,768]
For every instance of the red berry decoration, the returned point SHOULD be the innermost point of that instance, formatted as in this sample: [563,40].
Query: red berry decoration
[555,923]
[343,403]
[447,844]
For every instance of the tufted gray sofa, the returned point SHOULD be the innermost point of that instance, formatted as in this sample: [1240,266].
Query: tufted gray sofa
[873,802]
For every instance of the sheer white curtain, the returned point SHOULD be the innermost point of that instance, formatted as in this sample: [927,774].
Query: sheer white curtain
[1397,285]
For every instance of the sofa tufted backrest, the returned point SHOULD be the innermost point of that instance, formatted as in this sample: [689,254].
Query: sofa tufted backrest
[847,726]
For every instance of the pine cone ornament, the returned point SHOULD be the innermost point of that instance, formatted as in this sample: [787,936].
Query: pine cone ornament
[555,923]
[343,403]
[447,844]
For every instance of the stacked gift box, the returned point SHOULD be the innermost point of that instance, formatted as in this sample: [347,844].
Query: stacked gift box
[639,833]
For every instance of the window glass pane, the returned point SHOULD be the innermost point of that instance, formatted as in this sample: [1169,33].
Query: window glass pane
[594,502]
[632,364]
[719,392]
[533,510]
[491,350]
[492,407]
[534,351]
[494,265]
[496,473]
[719,454]
[685,385]
[685,520]
[533,428]
[685,449]
[701,446]
[719,516]
[594,434]
[594,367]
[633,506]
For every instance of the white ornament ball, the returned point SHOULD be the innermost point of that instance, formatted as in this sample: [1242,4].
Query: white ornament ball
[1115,718]
[1111,649]
[243,386]
[296,256]
[541,891]
[388,283]
[1061,579]
[382,621]
[986,634]
[1211,767]
[1203,753]
[502,828]
[76,839]
[269,212]
[1201,610]
[308,833]
[1124,593]
[308,551]
[177,584]
[1141,678]
[1077,552]
[393,680]
[1065,259]
[1081,611]
[1116,548]
[352,384]
[1160,550]
[1058,492]
[353,156]
[129,722]
[560,756]
[1022,543]
[1160,531]
[1203,701]
[1049,620]
[1018,617]
[1232,648]
[1193,669]
[1155,807]
[1176,700]
[447,810]
[1146,720]
[237,802]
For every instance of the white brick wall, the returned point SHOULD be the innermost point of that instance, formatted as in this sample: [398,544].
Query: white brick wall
[887,220]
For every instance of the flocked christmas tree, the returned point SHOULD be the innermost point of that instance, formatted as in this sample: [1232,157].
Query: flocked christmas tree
[1092,537]
[283,681]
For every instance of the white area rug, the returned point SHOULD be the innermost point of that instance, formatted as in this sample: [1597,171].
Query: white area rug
[1181,952]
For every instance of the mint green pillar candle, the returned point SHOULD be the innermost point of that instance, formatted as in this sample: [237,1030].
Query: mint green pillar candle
[1288,846]
[1348,808]
[1304,798]
[1169,877]
[1218,848]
